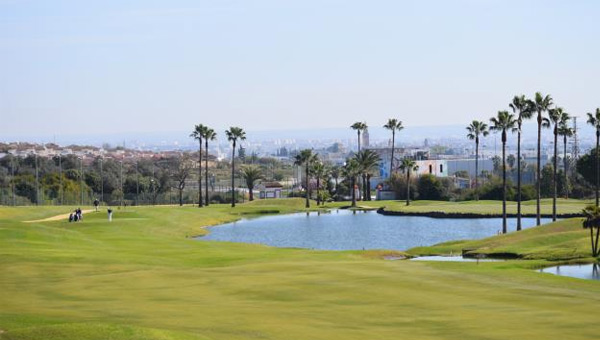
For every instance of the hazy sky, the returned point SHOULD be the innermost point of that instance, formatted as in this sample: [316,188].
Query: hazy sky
[118,66]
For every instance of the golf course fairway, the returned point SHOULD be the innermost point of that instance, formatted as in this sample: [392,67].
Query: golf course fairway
[142,276]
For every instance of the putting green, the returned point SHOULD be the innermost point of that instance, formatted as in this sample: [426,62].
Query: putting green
[142,277]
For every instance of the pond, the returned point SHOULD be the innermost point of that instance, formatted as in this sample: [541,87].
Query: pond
[348,230]
[579,271]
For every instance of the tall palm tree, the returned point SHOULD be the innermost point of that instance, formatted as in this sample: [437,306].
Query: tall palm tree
[594,120]
[233,135]
[197,135]
[306,157]
[476,129]
[556,116]
[503,122]
[522,108]
[351,171]
[540,104]
[407,166]
[207,134]
[251,174]
[566,132]
[320,171]
[359,127]
[369,163]
[394,125]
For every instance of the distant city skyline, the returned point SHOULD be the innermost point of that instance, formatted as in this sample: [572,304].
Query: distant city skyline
[116,67]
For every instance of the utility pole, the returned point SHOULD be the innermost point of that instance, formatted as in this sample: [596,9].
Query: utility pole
[60,183]
[37,182]
[121,182]
[152,183]
[101,181]
[81,178]
[12,173]
[137,185]
[575,150]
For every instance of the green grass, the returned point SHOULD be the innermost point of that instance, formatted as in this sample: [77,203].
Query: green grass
[564,206]
[560,241]
[142,277]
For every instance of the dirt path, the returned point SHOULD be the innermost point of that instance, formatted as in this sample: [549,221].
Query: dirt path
[58,217]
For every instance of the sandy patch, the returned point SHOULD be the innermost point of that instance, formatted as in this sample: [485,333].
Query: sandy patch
[58,217]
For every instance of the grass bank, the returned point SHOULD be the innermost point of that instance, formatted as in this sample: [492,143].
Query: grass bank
[140,277]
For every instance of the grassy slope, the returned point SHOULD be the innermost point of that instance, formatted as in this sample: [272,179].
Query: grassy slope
[140,278]
[563,240]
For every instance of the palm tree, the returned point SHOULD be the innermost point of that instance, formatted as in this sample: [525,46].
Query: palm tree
[522,108]
[591,222]
[476,129]
[540,104]
[207,134]
[306,157]
[251,173]
[567,132]
[351,171]
[197,135]
[335,174]
[369,163]
[320,171]
[556,115]
[407,166]
[594,120]
[233,134]
[503,122]
[359,127]
[393,125]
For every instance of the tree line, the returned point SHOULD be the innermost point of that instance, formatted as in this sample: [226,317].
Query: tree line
[547,115]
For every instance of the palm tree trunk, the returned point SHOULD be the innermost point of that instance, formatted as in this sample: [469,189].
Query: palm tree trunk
[392,159]
[592,240]
[596,245]
[504,229]
[538,170]
[566,165]
[365,197]
[353,182]
[358,132]
[318,185]
[251,193]
[206,201]
[407,187]
[233,176]
[597,168]
[307,190]
[476,168]
[519,178]
[555,174]
[368,187]
[200,174]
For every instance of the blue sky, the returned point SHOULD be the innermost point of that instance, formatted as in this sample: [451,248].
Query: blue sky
[141,66]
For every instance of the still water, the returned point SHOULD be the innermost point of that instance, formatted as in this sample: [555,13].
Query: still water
[580,271]
[347,230]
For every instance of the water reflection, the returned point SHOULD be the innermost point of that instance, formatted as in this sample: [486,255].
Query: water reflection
[580,271]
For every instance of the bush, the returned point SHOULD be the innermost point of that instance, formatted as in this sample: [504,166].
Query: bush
[432,188]
[397,183]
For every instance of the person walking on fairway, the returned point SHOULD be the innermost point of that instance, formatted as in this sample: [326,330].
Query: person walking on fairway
[109,214]
[96,204]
